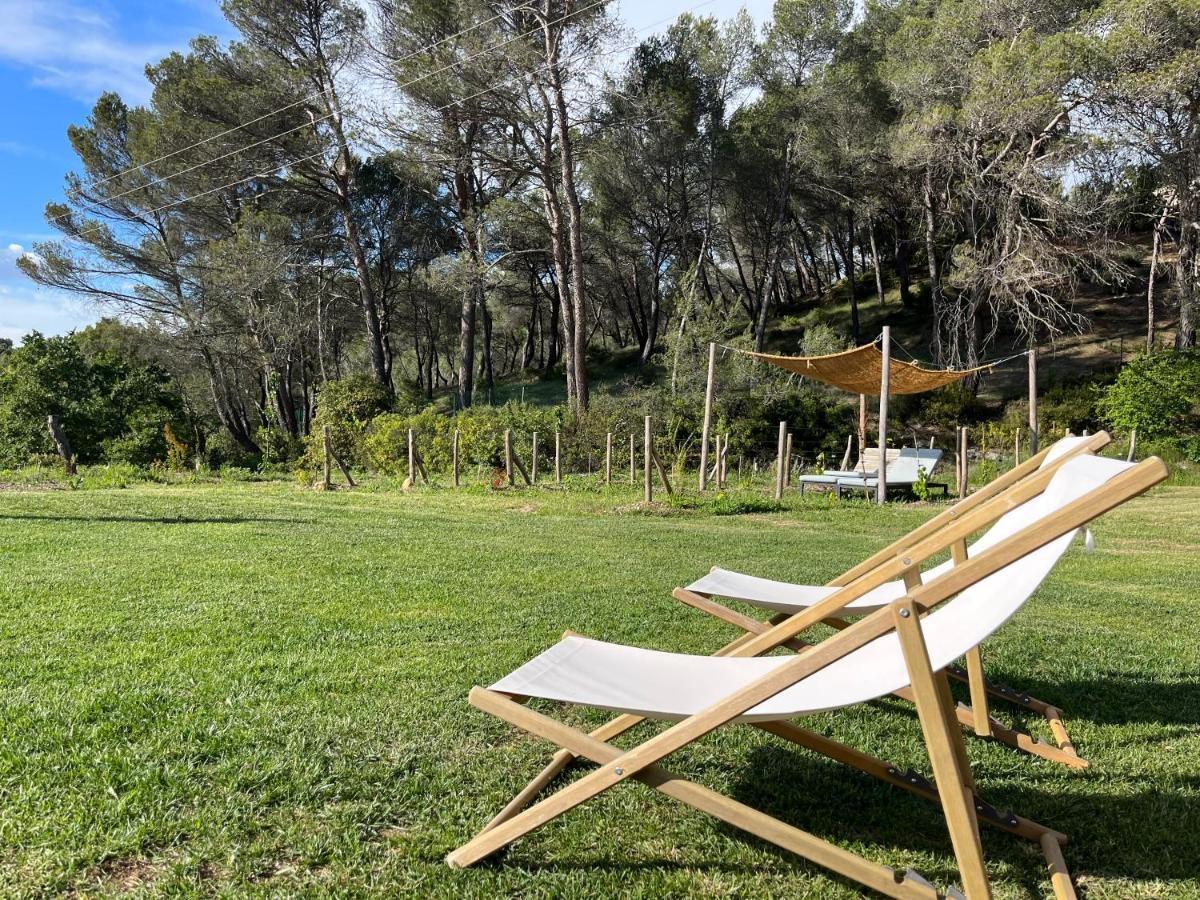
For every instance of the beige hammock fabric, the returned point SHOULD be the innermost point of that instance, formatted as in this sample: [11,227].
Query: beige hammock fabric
[859,371]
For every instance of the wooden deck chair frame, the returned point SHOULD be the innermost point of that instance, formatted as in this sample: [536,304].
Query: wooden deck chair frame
[955,789]
[978,714]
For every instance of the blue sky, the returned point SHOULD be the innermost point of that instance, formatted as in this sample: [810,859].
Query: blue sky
[57,56]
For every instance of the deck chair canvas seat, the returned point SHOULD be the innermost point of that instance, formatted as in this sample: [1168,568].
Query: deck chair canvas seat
[903,646]
[789,598]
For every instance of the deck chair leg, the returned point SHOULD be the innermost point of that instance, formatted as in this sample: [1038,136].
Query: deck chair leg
[978,688]
[1064,753]
[563,758]
[941,733]
[849,865]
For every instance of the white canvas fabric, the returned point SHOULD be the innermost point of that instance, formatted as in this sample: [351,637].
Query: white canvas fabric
[673,685]
[784,596]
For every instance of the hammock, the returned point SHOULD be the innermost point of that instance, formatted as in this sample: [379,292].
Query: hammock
[859,371]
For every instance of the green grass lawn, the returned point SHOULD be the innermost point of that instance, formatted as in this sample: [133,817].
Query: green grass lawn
[260,689]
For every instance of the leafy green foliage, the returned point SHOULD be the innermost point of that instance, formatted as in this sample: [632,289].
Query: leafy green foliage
[1158,394]
[109,407]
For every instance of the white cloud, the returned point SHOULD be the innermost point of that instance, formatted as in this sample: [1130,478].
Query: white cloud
[25,306]
[74,49]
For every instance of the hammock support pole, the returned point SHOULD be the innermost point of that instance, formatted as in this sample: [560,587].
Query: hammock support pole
[885,372]
[708,404]
[1033,423]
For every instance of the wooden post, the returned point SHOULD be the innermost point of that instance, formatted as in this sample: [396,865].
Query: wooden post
[455,460]
[1033,422]
[508,463]
[63,445]
[1017,448]
[632,461]
[608,458]
[1132,445]
[780,449]
[412,459]
[846,455]
[329,457]
[708,402]
[862,426]
[533,460]
[963,467]
[723,460]
[787,462]
[647,462]
[558,457]
[884,383]
[662,472]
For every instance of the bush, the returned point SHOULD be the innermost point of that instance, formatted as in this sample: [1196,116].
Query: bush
[1158,394]
[222,451]
[481,436]
[278,446]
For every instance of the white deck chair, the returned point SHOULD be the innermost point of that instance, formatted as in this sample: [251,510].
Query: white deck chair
[903,646]
[786,598]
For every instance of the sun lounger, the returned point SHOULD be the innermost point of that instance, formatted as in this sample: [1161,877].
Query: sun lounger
[787,598]
[904,646]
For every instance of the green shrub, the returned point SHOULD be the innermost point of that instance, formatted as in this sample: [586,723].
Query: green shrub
[221,450]
[1158,394]
[278,446]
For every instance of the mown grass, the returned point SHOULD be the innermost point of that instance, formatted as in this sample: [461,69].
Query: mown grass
[256,689]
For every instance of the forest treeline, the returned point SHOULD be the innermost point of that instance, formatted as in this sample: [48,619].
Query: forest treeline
[439,193]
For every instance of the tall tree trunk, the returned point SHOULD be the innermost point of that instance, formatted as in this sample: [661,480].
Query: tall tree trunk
[851,279]
[935,272]
[776,240]
[875,261]
[574,210]
[1155,252]
[1188,267]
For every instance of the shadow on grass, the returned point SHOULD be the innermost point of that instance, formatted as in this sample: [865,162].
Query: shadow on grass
[157,520]
[1114,698]
[1148,832]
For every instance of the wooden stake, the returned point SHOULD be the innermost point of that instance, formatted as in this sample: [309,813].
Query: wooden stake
[455,461]
[346,471]
[846,455]
[862,426]
[412,459]
[558,457]
[884,385]
[708,402]
[787,462]
[963,470]
[608,458]
[724,461]
[632,461]
[1132,445]
[780,449]
[329,457]
[662,473]
[508,457]
[1033,422]
[1017,448]
[533,460]
[646,463]
[63,445]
